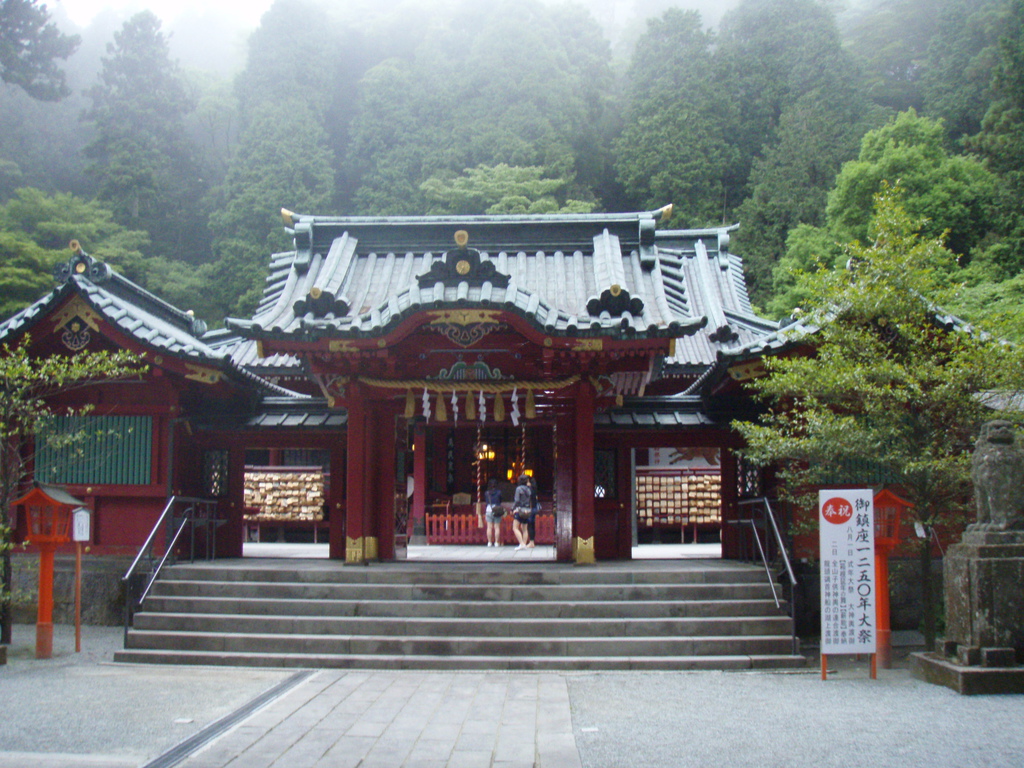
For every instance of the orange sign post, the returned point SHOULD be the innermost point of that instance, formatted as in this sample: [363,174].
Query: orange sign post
[888,514]
[48,511]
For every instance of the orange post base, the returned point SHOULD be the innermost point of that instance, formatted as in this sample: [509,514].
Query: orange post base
[44,640]
[44,615]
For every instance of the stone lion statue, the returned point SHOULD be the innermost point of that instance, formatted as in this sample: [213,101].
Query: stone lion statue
[997,470]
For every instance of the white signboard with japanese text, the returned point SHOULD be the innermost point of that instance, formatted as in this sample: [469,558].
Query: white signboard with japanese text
[81,524]
[846,524]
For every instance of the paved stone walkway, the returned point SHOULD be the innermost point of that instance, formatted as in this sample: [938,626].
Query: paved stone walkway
[386,719]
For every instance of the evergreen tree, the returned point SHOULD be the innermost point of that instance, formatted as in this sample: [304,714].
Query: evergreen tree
[30,46]
[676,146]
[141,155]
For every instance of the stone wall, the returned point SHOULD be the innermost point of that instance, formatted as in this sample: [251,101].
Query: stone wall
[102,589]
[905,610]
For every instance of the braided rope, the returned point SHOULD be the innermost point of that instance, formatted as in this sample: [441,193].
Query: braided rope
[433,385]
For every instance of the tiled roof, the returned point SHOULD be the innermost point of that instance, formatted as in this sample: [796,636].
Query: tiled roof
[697,265]
[591,275]
[656,413]
[137,312]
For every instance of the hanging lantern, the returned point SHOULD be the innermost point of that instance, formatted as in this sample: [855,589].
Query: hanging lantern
[499,407]
[410,404]
[531,406]
[470,406]
[442,410]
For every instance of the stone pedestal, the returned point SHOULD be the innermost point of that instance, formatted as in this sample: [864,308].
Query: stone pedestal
[984,587]
[984,577]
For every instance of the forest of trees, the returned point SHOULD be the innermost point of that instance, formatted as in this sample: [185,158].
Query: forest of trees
[786,116]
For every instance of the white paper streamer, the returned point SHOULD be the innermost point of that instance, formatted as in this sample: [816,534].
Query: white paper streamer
[426,404]
[455,408]
[483,406]
[515,408]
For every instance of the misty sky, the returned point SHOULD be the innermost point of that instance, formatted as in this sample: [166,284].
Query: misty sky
[81,12]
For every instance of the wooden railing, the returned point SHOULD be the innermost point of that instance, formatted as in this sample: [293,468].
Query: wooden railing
[465,528]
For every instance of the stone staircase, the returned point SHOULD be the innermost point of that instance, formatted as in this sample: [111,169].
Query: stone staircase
[619,616]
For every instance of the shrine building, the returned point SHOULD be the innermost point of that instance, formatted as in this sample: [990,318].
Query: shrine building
[395,365]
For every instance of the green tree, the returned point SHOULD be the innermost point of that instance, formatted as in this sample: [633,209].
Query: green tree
[961,57]
[282,161]
[513,83]
[952,192]
[35,229]
[500,189]
[141,154]
[888,383]
[27,383]
[30,46]
[772,53]
[817,133]
[676,146]
[889,41]
[1001,143]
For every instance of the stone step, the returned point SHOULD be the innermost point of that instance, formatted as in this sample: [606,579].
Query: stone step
[708,572]
[503,593]
[447,627]
[475,609]
[463,663]
[362,645]
[688,615]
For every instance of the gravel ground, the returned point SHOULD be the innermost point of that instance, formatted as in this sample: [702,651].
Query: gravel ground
[790,720]
[83,704]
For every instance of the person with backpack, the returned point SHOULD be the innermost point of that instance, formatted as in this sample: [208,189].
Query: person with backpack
[494,511]
[521,506]
[531,524]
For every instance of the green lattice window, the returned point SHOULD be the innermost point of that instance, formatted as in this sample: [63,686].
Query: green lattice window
[96,450]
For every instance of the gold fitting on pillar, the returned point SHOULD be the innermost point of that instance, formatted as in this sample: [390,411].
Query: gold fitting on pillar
[583,551]
[354,550]
[371,549]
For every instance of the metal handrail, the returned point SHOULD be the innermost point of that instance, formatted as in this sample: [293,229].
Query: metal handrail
[781,545]
[778,535]
[166,522]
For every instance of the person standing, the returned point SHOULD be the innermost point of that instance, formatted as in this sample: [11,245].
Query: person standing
[494,512]
[531,524]
[521,512]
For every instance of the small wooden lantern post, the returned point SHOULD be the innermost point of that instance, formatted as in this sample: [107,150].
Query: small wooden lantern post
[48,511]
[888,515]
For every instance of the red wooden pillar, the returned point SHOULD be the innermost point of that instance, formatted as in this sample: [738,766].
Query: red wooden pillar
[230,535]
[355,481]
[380,511]
[730,509]
[336,501]
[565,463]
[583,487]
[419,493]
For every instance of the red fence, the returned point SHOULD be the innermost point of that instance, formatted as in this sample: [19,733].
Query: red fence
[465,529]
